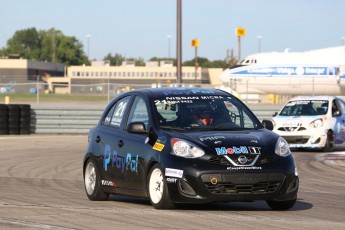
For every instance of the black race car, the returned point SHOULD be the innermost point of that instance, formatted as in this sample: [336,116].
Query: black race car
[187,145]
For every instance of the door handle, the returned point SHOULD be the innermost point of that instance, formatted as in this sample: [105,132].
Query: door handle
[120,143]
[98,139]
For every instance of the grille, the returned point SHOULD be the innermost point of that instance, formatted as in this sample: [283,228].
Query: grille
[266,159]
[257,188]
[250,158]
[220,160]
[263,159]
[296,139]
[292,129]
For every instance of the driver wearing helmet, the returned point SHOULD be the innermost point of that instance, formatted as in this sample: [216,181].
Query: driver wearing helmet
[205,116]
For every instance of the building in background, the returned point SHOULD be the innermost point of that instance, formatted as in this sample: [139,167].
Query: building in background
[23,72]
[22,76]
[97,78]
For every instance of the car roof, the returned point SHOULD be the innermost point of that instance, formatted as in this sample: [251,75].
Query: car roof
[301,98]
[179,91]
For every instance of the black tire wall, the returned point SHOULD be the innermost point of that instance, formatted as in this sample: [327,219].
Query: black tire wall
[3,120]
[15,119]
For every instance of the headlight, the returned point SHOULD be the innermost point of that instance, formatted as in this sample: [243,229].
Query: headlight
[317,123]
[274,123]
[185,149]
[282,147]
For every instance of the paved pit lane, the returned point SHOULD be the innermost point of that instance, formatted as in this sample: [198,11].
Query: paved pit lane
[41,187]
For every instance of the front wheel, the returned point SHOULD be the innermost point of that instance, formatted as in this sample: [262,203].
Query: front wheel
[92,182]
[281,205]
[329,142]
[157,189]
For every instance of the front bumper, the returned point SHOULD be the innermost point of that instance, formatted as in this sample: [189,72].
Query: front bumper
[230,186]
[305,139]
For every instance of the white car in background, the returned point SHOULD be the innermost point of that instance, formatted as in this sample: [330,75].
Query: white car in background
[312,122]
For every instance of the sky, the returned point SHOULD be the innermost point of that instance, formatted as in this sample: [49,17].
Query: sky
[147,28]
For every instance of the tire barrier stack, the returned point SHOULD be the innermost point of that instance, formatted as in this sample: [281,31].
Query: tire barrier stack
[15,119]
[3,120]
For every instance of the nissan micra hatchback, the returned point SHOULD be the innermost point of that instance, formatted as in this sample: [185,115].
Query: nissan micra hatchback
[316,122]
[187,145]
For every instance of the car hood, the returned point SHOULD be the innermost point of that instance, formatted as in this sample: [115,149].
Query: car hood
[293,121]
[246,138]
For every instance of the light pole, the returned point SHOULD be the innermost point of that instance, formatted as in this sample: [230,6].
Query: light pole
[179,42]
[195,44]
[88,46]
[240,32]
[259,43]
[169,38]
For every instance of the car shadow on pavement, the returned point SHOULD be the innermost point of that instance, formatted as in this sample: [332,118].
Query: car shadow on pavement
[240,206]
[216,206]
[129,199]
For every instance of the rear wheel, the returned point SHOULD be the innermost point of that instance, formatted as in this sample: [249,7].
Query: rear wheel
[157,189]
[92,182]
[281,205]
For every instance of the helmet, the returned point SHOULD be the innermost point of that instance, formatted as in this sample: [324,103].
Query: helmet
[204,114]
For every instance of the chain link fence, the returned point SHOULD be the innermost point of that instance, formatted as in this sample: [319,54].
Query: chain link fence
[110,89]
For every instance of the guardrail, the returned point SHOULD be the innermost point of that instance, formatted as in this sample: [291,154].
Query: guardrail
[80,120]
[63,121]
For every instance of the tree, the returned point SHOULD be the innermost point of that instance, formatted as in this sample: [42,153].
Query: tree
[200,61]
[216,64]
[117,60]
[26,43]
[70,51]
[51,45]
[204,62]
[164,59]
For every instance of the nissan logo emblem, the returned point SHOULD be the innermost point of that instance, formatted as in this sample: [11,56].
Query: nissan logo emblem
[242,159]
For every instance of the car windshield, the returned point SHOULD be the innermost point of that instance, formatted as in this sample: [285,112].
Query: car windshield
[204,112]
[305,108]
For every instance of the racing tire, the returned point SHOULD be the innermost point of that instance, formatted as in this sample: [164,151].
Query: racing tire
[24,131]
[157,189]
[329,142]
[92,182]
[13,129]
[3,110]
[3,132]
[280,205]
[25,112]
[13,110]
[3,122]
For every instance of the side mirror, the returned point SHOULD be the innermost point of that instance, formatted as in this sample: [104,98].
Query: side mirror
[336,114]
[268,124]
[137,128]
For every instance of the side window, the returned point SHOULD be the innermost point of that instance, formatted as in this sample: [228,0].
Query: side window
[234,113]
[139,112]
[168,111]
[107,119]
[115,115]
[239,116]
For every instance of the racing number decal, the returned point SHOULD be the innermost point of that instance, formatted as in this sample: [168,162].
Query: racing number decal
[118,113]
[120,109]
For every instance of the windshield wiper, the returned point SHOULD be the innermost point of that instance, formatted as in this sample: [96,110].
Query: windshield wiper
[228,129]
[172,127]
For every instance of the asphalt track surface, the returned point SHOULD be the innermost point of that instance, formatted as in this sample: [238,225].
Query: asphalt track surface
[41,187]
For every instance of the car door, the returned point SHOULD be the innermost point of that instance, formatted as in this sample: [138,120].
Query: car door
[338,112]
[109,139]
[137,147]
